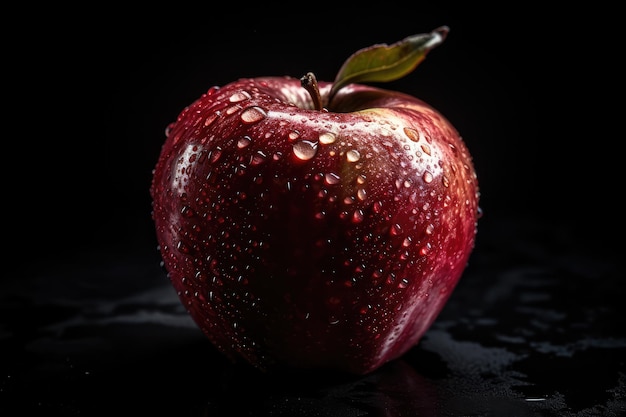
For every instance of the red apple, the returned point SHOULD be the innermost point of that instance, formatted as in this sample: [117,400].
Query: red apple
[316,225]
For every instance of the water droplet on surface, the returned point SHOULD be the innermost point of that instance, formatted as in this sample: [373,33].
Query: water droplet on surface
[293,135]
[427,177]
[327,138]
[357,216]
[211,119]
[411,134]
[426,148]
[187,211]
[396,229]
[353,155]
[361,194]
[253,114]
[331,178]
[425,250]
[182,247]
[258,158]
[215,155]
[244,142]
[430,229]
[239,96]
[305,150]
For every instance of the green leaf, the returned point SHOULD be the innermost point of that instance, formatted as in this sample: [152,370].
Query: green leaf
[384,63]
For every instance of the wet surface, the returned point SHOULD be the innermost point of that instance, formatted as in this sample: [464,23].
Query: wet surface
[536,327]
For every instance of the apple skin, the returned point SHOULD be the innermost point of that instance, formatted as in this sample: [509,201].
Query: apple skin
[313,239]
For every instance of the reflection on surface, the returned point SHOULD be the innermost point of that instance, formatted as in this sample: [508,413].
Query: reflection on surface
[394,390]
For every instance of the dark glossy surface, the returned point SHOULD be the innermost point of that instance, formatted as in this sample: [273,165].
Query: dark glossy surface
[535,327]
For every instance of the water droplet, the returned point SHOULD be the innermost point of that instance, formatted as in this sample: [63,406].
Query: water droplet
[293,135]
[361,194]
[429,229]
[187,211]
[412,134]
[445,181]
[427,177]
[258,158]
[239,96]
[360,179]
[182,247]
[406,242]
[357,216]
[244,142]
[331,178]
[396,229]
[169,128]
[211,119]
[425,249]
[253,114]
[215,154]
[426,148]
[305,149]
[353,155]
[327,138]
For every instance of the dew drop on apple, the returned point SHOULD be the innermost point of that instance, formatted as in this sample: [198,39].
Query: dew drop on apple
[293,135]
[430,229]
[361,194]
[353,155]
[427,177]
[305,149]
[425,250]
[182,247]
[243,142]
[411,134]
[331,178]
[327,138]
[357,216]
[239,96]
[253,114]
[258,158]
[187,211]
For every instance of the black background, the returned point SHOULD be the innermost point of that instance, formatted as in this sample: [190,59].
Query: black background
[535,93]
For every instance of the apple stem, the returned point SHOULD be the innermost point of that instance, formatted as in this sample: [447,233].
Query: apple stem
[309,83]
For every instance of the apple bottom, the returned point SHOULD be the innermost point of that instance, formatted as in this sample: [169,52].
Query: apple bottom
[322,326]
